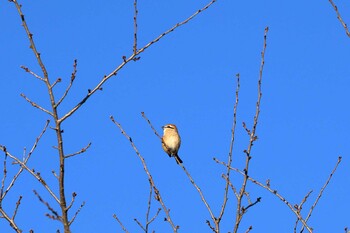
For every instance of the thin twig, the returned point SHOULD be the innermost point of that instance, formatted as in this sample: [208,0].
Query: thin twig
[38,138]
[252,139]
[300,207]
[231,185]
[185,170]
[135,26]
[3,193]
[274,192]
[16,208]
[156,191]
[36,105]
[25,160]
[72,201]
[154,217]
[31,171]
[131,58]
[140,225]
[340,18]
[76,213]
[72,78]
[149,204]
[3,180]
[149,221]
[120,223]
[227,177]
[55,215]
[10,220]
[79,152]
[32,73]
[201,195]
[249,229]
[322,190]
[58,80]
[150,124]
[30,36]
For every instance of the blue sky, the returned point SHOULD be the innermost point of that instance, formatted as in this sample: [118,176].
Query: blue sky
[188,79]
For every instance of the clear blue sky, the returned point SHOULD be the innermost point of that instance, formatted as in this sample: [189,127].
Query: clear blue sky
[188,79]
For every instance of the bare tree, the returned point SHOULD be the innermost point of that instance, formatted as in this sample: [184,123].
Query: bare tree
[60,209]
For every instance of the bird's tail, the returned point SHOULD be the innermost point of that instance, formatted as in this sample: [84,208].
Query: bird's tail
[177,158]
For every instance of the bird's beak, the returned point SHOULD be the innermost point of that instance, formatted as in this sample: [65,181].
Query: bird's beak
[162,127]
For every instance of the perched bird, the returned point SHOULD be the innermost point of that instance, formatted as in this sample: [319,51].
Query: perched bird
[171,141]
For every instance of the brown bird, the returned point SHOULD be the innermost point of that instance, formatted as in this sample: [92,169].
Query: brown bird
[171,141]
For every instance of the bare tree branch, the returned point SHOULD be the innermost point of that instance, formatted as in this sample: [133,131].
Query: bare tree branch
[32,73]
[79,152]
[58,80]
[300,207]
[54,114]
[72,201]
[274,192]
[72,78]
[36,105]
[76,213]
[249,229]
[55,215]
[31,171]
[131,58]
[227,176]
[140,225]
[340,18]
[253,138]
[120,223]
[322,190]
[186,172]
[135,26]
[10,220]
[3,194]
[16,208]
[156,191]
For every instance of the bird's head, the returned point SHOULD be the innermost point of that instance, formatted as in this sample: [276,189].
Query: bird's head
[169,128]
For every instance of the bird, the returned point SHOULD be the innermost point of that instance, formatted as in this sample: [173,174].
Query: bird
[171,141]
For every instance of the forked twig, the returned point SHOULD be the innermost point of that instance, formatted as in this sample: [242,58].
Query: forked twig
[131,58]
[31,171]
[148,221]
[322,190]
[185,170]
[156,191]
[10,220]
[25,160]
[3,193]
[300,207]
[274,192]
[30,36]
[55,215]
